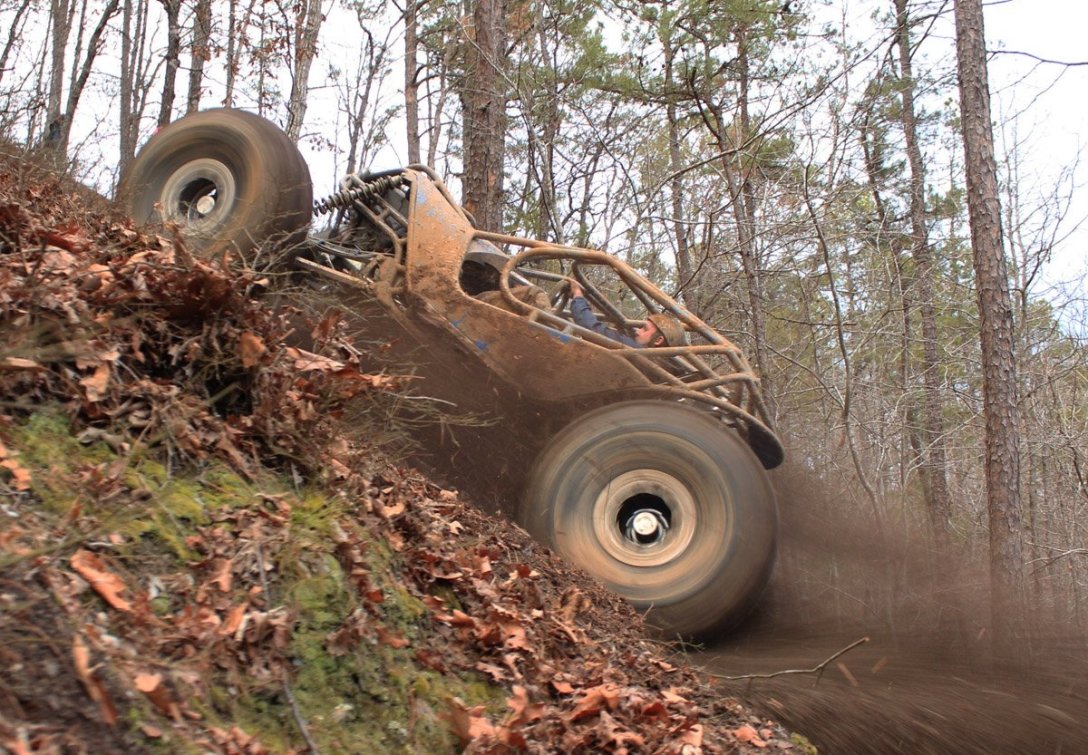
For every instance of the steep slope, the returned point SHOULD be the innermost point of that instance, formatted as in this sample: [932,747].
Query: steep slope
[205,548]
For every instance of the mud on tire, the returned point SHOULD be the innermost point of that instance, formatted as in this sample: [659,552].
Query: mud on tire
[231,181]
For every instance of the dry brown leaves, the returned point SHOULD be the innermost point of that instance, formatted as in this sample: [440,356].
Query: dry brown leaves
[147,348]
[145,344]
[574,687]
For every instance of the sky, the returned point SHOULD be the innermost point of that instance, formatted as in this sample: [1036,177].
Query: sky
[1050,103]
[1036,102]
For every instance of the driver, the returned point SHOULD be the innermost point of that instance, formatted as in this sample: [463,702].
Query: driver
[660,329]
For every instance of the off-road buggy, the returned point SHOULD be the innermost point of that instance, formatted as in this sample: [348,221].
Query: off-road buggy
[653,481]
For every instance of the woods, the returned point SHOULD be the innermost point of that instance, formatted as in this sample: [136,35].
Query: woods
[837,204]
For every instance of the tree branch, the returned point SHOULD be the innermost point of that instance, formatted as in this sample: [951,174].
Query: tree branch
[817,669]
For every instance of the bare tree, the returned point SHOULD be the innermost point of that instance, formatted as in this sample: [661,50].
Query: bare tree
[933,454]
[359,95]
[63,17]
[14,34]
[483,89]
[173,59]
[201,53]
[134,19]
[306,27]
[996,326]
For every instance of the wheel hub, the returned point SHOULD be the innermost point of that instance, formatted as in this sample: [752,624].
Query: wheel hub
[646,526]
[198,195]
[644,517]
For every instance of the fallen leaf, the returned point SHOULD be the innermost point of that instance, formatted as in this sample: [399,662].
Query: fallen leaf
[223,575]
[748,735]
[152,687]
[233,620]
[105,583]
[469,723]
[96,384]
[672,696]
[595,699]
[250,349]
[386,637]
[20,475]
[18,363]
[521,710]
[563,688]
[96,690]
[497,673]
[307,360]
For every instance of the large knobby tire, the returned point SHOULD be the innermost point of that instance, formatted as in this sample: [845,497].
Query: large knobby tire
[663,504]
[229,180]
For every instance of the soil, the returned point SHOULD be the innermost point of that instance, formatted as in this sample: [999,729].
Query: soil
[209,546]
[926,680]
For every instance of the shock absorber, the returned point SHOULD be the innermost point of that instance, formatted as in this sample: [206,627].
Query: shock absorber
[363,190]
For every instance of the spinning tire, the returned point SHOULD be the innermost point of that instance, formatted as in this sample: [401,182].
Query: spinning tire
[230,181]
[664,505]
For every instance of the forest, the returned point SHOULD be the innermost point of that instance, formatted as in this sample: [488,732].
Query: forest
[832,200]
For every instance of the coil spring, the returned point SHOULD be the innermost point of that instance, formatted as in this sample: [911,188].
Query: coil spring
[363,192]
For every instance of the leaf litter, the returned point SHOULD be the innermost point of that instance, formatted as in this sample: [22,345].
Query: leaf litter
[116,640]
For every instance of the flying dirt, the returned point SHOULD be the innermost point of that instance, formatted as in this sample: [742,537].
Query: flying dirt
[646,468]
[927,678]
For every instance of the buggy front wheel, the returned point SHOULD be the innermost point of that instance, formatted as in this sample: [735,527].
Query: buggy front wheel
[663,504]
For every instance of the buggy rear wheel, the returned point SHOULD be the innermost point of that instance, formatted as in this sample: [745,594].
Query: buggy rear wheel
[663,504]
[230,181]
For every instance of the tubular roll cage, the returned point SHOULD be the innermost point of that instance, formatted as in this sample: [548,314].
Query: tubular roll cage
[382,200]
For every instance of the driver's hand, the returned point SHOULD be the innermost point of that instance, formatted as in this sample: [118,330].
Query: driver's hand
[575,287]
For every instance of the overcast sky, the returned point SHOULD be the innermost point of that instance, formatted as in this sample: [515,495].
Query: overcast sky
[1048,99]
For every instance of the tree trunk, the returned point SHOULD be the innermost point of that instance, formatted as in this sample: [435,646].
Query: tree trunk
[689,287]
[744,212]
[61,14]
[483,103]
[411,81]
[173,59]
[127,134]
[202,31]
[938,503]
[232,52]
[996,327]
[307,26]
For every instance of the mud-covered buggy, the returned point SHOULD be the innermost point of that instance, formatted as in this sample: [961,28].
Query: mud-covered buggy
[654,480]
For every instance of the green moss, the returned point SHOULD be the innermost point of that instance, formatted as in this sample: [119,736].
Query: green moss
[371,698]
[50,452]
[806,747]
[231,488]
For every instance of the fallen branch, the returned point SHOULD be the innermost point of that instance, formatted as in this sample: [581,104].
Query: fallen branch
[818,669]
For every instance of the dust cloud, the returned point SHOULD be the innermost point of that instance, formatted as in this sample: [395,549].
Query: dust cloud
[928,679]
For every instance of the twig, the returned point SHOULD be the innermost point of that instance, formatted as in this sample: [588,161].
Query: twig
[1051,560]
[286,687]
[817,669]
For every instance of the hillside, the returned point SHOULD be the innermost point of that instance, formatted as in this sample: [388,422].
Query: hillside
[205,549]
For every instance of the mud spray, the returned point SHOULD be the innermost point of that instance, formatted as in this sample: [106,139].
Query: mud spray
[927,679]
